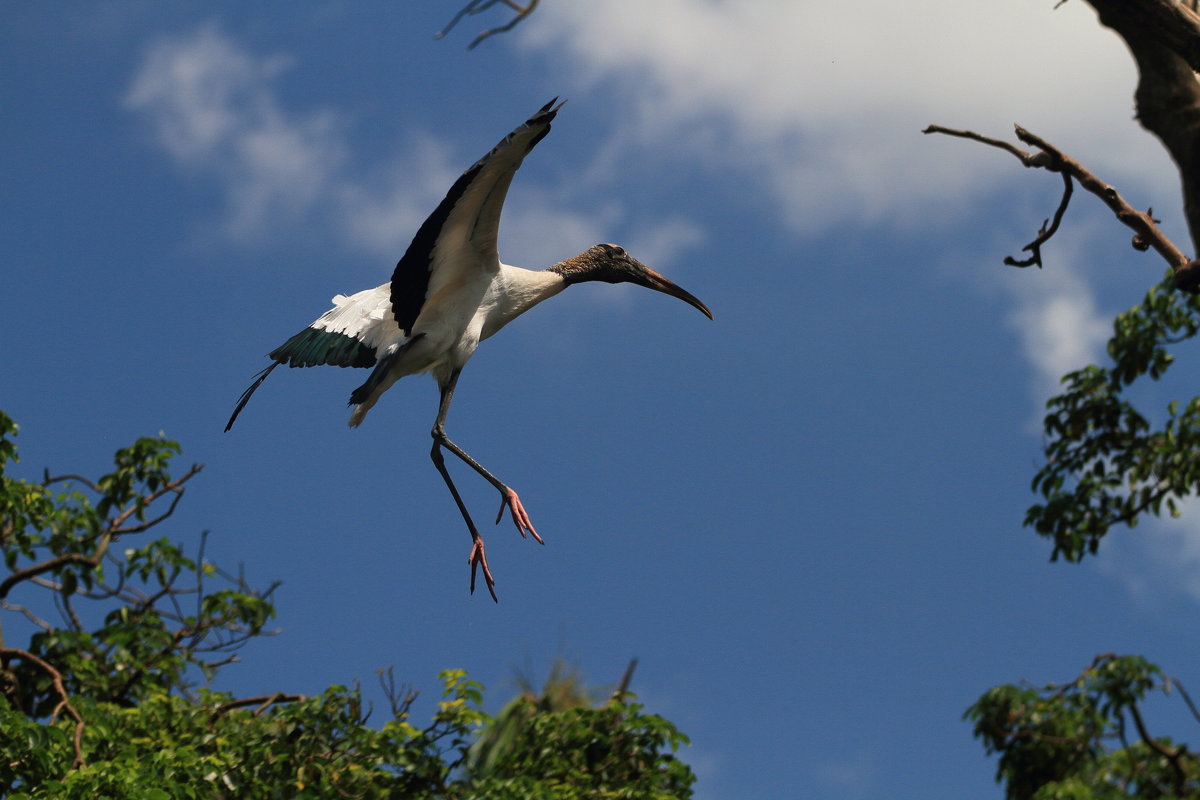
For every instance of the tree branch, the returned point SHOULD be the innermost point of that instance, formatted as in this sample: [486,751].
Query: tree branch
[262,701]
[48,565]
[1146,231]
[64,701]
[29,615]
[1173,24]
[479,6]
[117,523]
[1172,756]
[1186,698]
[115,528]
[623,687]
[1164,38]
[47,480]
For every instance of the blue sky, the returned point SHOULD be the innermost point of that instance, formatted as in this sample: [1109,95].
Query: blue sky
[803,517]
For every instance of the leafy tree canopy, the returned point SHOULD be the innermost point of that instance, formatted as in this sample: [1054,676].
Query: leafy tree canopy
[1086,738]
[111,696]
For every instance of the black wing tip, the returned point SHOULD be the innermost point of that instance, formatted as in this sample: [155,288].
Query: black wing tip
[245,398]
[543,117]
[548,111]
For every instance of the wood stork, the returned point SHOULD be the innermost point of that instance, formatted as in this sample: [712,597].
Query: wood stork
[448,293]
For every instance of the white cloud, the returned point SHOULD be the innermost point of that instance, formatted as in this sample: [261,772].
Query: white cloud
[823,103]
[380,215]
[666,241]
[851,777]
[541,225]
[820,106]
[1060,328]
[1161,554]
[211,108]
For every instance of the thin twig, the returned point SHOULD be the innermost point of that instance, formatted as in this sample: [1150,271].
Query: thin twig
[47,480]
[479,6]
[29,615]
[176,486]
[1187,699]
[399,705]
[69,610]
[1044,233]
[1025,158]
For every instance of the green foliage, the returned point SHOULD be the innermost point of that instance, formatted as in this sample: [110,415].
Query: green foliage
[613,751]
[1086,738]
[562,691]
[119,707]
[1106,462]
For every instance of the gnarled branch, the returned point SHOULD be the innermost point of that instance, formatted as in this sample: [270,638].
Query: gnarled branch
[1164,38]
[64,702]
[1147,234]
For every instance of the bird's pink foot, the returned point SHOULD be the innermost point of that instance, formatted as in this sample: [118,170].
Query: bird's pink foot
[520,518]
[477,559]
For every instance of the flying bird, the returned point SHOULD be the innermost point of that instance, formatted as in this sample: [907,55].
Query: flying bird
[448,293]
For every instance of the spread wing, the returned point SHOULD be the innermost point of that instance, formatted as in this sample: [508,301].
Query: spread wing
[461,232]
[346,335]
[459,235]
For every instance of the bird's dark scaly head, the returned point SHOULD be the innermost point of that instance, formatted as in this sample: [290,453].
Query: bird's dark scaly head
[611,264]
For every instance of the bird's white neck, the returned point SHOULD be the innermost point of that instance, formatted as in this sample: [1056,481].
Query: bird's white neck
[516,290]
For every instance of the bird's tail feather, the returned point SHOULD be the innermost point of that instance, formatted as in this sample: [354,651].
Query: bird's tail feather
[245,398]
[365,396]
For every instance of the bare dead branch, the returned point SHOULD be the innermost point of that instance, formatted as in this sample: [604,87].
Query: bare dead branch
[1044,233]
[400,699]
[1024,157]
[64,703]
[479,6]
[1145,226]
[1048,157]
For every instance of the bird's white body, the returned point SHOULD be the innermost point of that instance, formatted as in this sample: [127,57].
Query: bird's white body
[450,326]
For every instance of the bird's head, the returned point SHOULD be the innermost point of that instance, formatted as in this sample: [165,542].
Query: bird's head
[611,264]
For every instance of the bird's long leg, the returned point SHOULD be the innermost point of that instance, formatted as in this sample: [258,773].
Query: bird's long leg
[477,556]
[508,497]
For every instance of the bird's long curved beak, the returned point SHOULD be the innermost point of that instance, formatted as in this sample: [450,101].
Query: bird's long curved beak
[660,284]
